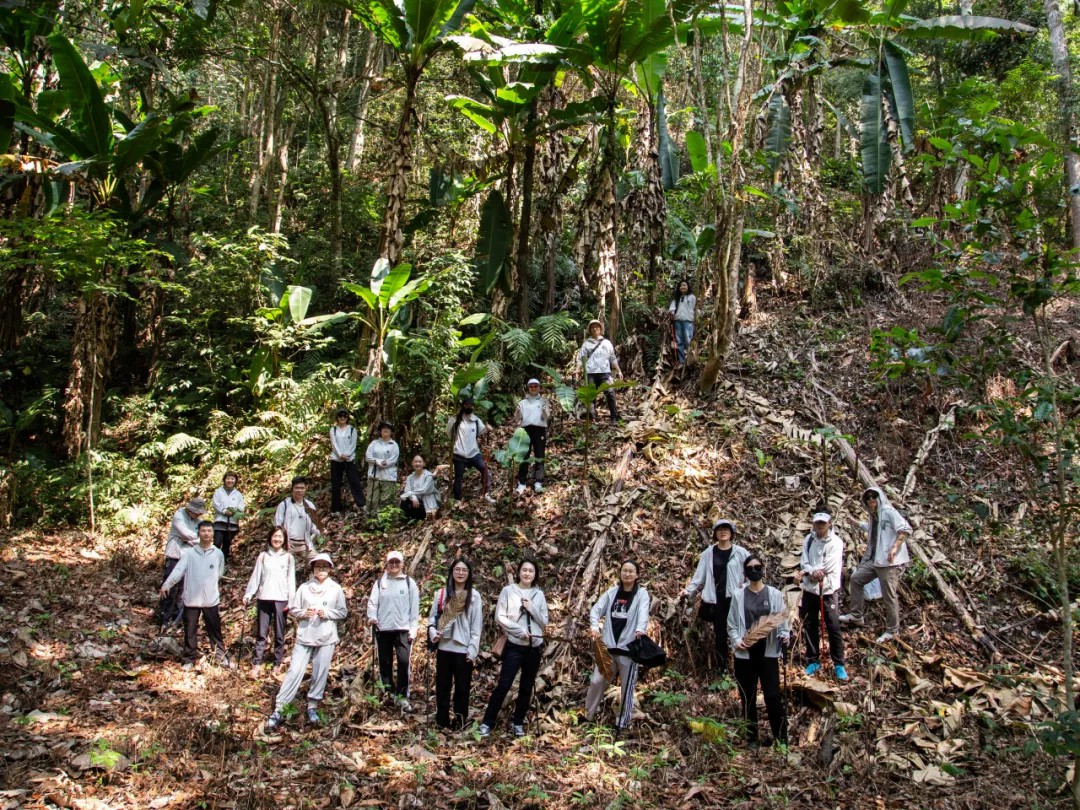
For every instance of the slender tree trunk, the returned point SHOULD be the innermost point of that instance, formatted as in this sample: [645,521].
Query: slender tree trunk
[1059,52]
[702,96]
[93,345]
[552,157]
[391,238]
[525,222]
[283,181]
[371,64]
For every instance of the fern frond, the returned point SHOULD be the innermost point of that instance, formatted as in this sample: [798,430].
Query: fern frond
[553,330]
[279,446]
[182,443]
[254,433]
[520,345]
[494,373]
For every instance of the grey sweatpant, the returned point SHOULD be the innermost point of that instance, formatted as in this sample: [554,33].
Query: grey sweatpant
[628,670]
[890,577]
[320,658]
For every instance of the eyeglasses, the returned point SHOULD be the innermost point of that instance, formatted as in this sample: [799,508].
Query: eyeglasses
[753,568]
[461,570]
[394,562]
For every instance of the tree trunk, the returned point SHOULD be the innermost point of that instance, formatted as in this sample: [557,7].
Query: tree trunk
[372,64]
[283,181]
[1059,51]
[525,223]
[93,346]
[548,213]
[391,237]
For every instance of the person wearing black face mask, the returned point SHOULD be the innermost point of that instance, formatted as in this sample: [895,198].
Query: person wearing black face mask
[719,574]
[758,661]
[465,431]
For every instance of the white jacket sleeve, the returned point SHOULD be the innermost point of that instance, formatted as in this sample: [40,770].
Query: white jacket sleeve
[178,572]
[643,616]
[539,612]
[337,609]
[777,606]
[292,577]
[599,609]
[697,582]
[433,616]
[734,636]
[373,602]
[218,501]
[256,579]
[476,626]
[296,604]
[395,454]
[369,455]
[179,525]
[414,608]
[804,555]
[507,623]
[279,515]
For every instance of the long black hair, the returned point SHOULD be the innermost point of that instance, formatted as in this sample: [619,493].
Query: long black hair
[457,424]
[678,296]
[468,582]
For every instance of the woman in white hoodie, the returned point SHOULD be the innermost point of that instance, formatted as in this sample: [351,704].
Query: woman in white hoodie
[419,495]
[454,626]
[228,509]
[382,458]
[624,607]
[533,413]
[272,585]
[318,605]
[343,463]
[522,614]
[718,575]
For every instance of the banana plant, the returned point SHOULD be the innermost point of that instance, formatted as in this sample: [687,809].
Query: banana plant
[513,456]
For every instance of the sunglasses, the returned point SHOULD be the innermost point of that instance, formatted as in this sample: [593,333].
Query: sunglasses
[753,568]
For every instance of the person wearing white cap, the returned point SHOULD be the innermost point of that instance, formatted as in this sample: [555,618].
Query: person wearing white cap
[534,412]
[819,575]
[393,610]
[318,605]
[183,533]
[719,574]
[597,355]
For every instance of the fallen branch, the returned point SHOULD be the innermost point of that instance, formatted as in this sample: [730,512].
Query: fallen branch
[947,422]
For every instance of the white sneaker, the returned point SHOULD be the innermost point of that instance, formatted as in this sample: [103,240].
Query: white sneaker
[519,489]
[884,637]
[519,730]
[851,618]
[403,703]
[538,487]
[489,499]
[485,730]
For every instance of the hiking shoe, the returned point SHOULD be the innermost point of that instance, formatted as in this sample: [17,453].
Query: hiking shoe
[851,618]
[273,723]
[313,716]
[489,499]
[254,674]
[841,672]
[518,729]
[485,730]
[884,637]
[403,703]
[519,489]
[812,669]
[538,487]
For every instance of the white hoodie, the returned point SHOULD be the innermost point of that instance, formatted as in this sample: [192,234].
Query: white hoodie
[200,568]
[382,459]
[343,443]
[422,487]
[890,524]
[534,411]
[827,554]
[522,627]
[274,577]
[395,603]
[316,632]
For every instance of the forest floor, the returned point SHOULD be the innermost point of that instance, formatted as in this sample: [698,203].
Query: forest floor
[94,715]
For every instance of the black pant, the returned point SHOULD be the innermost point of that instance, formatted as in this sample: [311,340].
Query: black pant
[453,670]
[516,657]
[391,642]
[537,446]
[170,605]
[414,512]
[345,470]
[748,671]
[460,463]
[270,610]
[810,613]
[719,624]
[223,537]
[598,379]
[211,617]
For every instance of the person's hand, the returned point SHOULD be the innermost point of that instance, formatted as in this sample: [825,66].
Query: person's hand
[321,613]
[893,551]
[785,642]
[229,511]
[374,623]
[412,636]
[798,576]
[819,576]
[436,635]
[309,613]
[525,603]
[638,634]
[741,645]
[618,374]
[415,502]
[594,633]
[246,602]
[164,591]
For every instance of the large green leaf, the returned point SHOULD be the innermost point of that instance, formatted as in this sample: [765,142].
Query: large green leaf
[904,99]
[427,20]
[695,145]
[779,132]
[298,299]
[519,444]
[385,19]
[394,281]
[964,27]
[493,243]
[876,156]
[137,144]
[483,115]
[365,293]
[88,110]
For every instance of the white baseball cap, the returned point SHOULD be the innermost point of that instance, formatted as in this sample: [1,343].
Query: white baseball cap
[322,556]
[822,517]
[533,381]
[395,555]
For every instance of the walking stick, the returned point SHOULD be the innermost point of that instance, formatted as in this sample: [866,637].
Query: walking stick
[427,685]
[374,655]
[674,340]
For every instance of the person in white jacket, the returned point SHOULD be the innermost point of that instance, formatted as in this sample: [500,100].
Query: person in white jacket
[820,566]
[272,585]
[759,662]
[533,413]
[522,614]
[393,610]
[183,533]
[229,507]
[597,356]
[454,626]
[200,568]
[300,520]
[885,559]
[419,494]
[343,463]
[720,564]
[382,458]
[464,431]
[624,607]
[682,307]
[318,605]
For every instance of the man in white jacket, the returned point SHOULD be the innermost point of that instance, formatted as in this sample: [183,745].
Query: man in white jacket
[534,412]
[200,568]
[300,520]
[183,533]
[819,573]
[393,610]
[885,558]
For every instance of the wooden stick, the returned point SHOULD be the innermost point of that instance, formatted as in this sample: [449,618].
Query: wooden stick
[947,422]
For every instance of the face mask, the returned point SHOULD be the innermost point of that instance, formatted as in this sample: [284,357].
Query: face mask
[468,409]
[755,574]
